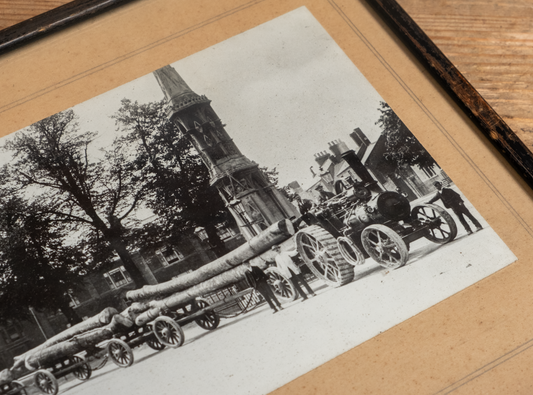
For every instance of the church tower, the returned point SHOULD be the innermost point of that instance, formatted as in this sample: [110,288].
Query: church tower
[253,201]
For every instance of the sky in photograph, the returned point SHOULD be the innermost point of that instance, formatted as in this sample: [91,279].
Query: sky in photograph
[284,89]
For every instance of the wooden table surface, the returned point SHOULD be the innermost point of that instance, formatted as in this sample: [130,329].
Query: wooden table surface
[489,41]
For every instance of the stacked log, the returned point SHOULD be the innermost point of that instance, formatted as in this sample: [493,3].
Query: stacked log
[97,321]
[178,299]
[275,234]
[83,341]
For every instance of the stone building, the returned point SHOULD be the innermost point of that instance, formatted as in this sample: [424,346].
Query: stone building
[335,174]
[251,198]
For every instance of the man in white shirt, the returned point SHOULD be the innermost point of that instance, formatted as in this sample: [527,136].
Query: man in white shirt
[290,270]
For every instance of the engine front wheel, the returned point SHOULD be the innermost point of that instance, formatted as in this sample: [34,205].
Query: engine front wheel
[350,252]
[318,249]
[385,246]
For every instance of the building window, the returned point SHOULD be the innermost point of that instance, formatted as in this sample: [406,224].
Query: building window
[225,232]
[118,277]
[169,255]
[11,332]
[74,301]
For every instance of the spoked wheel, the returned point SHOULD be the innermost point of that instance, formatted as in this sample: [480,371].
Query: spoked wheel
[155,344]
[318,249]
[17,388]
[441,226]
[120,353]
[46,382]
[349,251]
[168,332]
[282,287]
[84,371]
[385,246]
[210,319]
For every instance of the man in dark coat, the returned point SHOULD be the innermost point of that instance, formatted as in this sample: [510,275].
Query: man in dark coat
[258,280]
[453,200]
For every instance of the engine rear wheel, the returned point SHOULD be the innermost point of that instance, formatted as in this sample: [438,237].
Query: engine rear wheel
[441,226]
[318,249]
[282,286]
[385,246]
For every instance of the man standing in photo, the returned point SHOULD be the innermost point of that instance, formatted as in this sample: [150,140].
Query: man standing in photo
[258,280]
[453,200]
[290,270]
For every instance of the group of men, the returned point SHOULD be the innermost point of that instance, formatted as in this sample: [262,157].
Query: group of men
[258,279]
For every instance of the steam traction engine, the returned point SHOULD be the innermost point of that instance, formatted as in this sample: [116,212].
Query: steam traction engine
[380,223]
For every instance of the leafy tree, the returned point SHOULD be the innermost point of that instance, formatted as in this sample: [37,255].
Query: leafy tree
[51,161]
[273,177]
[402,148]
[172,170]
[37,268]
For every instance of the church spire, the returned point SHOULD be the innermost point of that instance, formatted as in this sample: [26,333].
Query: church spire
[177,93]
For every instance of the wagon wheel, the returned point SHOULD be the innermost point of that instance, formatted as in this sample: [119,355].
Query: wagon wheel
[168,332]
[319,251]
[282,286]
[46,382]
[84,371]
[385,246]
[443,228]
[155,344]
[210,319]
[18,388]
[350,252]
[120,353]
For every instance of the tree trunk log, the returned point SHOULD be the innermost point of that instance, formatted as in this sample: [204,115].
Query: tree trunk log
[97,321]
[275,234]
[178,299]
[50,355]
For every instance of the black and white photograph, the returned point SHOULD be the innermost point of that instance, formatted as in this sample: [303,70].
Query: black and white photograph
[223,225]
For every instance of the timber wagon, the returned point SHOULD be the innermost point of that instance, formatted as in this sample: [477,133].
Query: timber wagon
[46,378]
[161,331]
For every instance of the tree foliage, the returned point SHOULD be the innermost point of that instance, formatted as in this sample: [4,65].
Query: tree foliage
[272,176]
[52,162]
[178,181]
[402,148]
[37,268]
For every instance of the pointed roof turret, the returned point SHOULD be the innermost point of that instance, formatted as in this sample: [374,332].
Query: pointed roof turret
[176,90]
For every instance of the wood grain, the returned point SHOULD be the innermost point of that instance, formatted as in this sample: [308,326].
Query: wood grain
[491,43]
[16,11]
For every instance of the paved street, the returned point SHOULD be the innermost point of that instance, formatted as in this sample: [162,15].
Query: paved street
[260,351]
